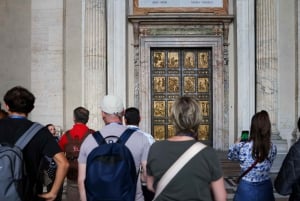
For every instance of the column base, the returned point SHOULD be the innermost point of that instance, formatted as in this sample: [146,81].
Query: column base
[282,149]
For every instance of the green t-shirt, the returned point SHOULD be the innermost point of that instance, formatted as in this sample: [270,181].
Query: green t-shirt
[193,180]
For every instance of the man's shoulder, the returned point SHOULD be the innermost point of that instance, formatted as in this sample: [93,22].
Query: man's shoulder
[295,148]
[149,137]
[112,129]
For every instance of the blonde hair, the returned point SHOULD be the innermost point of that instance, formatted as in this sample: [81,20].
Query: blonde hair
[186,116]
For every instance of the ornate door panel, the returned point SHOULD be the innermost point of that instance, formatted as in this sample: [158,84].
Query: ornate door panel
[177,72]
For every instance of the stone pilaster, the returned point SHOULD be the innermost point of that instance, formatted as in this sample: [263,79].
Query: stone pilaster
[296,136]
[267,63]
[245,20]
[94,71]
[117,48]
[267,71]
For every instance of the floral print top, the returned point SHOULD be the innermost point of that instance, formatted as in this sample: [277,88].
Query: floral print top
[242,152]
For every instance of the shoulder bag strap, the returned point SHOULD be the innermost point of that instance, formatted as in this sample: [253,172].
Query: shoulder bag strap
[28,135]
[176,167]
[246,172]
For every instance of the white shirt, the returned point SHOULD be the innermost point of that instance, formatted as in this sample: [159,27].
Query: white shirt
[149,136]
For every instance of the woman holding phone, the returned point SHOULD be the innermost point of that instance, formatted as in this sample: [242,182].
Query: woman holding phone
[256,157]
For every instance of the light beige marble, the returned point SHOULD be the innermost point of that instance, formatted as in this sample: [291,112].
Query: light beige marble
[94,69]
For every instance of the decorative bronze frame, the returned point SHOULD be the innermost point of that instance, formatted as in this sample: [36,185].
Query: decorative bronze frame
[214,10]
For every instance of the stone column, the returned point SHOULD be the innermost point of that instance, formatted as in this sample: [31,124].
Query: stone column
[267,62]
[245,20]
[296,136]
[267,70]
[117,48]
[94,71]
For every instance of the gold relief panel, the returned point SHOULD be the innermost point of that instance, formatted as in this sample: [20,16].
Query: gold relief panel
[203,60]
[203,84]
[173,60]
[159,108]
[189,60]
[159,84]
[189,84]
[173,84]
[159,132]
[171,131]
[170,105]
[175,72]
[204,107]
[159,59]
[203,132]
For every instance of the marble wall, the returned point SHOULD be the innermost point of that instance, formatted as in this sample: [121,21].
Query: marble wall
[47,60]
[15,44]
[44,47]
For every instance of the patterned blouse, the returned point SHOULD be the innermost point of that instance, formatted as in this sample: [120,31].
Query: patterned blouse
[242,152]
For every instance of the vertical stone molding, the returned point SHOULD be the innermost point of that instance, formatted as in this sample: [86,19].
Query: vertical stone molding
[117,48]
[245,20]
[298,65]
[267,62]
[267,71]
[94,69]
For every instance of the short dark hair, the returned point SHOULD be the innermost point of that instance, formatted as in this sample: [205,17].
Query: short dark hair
[19,100]
[81,115]
[132,116]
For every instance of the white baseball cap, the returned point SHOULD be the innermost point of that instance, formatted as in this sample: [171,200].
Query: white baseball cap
[112,104]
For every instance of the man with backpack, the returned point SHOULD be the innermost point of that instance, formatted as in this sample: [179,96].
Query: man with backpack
[132,120]
[19,102]
[70,143]
[99,170]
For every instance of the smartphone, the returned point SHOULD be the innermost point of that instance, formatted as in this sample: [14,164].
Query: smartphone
[244,135]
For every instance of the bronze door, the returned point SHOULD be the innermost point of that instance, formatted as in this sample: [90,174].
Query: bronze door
[177,72]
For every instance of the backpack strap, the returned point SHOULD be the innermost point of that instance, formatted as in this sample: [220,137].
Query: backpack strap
[70,138]
[28,135]
[126,135]
[122,139]
[99,138]
[89,131]
[68,135]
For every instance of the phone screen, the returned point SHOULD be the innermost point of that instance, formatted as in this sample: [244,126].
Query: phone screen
[245,135]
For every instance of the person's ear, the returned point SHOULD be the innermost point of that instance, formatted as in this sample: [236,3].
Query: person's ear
[6,107]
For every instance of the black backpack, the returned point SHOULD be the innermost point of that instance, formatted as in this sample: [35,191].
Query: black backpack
[110,170]
[12,167]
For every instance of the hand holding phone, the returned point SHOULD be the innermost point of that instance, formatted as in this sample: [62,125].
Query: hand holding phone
[244,136]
